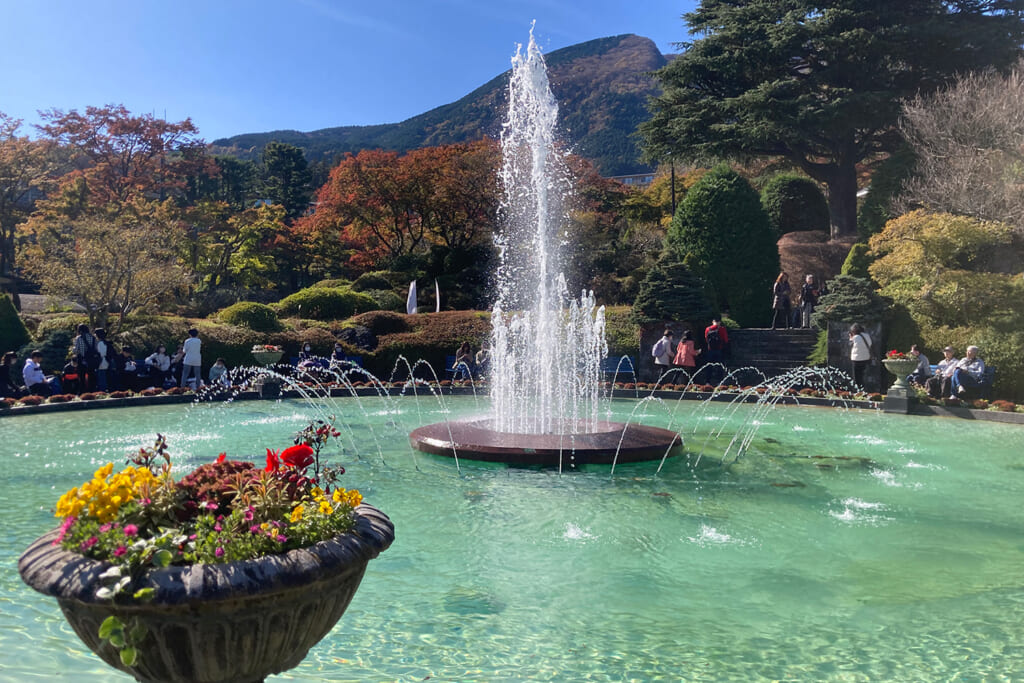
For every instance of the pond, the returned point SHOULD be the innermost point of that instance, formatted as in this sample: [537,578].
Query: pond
[842,545]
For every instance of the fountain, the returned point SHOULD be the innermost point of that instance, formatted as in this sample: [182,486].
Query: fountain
[546,348]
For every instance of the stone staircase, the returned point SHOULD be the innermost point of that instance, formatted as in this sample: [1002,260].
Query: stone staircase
[773,352]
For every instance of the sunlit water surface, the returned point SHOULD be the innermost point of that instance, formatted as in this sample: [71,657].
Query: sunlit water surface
[905,562]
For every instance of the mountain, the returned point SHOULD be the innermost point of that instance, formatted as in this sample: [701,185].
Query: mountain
[601,86]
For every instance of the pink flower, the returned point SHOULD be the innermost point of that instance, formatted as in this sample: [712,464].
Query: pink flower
[64,526]
[219,552]
[210,505]
[105,528]
[254,529]
[218,527]
[281,538]
[120,550]
[89,542]
[248,514]
[130,529]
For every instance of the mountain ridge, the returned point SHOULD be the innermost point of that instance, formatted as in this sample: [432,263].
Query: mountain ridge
[601,85]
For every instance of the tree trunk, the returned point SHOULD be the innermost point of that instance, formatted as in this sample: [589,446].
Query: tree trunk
[842,200]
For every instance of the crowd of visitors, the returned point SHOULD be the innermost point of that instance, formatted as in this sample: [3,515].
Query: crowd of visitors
[95,364]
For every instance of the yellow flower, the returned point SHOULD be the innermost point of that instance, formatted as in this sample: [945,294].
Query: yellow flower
[296,514]
[325,507]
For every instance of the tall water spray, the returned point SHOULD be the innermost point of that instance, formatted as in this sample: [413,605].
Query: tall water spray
[546,347]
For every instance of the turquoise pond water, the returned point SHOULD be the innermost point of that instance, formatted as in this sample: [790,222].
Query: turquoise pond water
[902,560]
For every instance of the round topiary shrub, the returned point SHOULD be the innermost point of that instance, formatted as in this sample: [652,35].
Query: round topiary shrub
[325,303]
[334,283]
[794,203]
[13,334]
[259,317]
[386,300]
[374,280]
[383,322]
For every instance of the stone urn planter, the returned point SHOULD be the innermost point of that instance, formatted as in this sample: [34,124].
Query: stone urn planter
[240,621]
[900,367]
[267,357]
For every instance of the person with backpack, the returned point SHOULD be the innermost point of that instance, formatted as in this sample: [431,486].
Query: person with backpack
[663,352]
[84,349]
[860,353]
[808,300]
[716,337]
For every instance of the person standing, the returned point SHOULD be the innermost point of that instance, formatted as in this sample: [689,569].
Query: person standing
[716,337]
[860,352]
[106,351]
[686,353]
[663,352]
[483,358]
[85,350]
[808,300]
[780,302]
[192,360]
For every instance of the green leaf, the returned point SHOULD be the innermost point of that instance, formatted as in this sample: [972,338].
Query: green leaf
[129,656]
[109,625]
[162,558]
[116,638]
[137,633]
[144,594]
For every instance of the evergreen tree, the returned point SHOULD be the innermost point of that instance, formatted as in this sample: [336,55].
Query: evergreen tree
[13,334]
[670,292]
[819,82]
[287,177]
[723,234]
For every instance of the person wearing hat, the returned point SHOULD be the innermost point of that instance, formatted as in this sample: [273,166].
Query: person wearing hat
[968,373]
[938,385]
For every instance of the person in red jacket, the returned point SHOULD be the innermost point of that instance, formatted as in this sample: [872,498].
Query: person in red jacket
[716,337]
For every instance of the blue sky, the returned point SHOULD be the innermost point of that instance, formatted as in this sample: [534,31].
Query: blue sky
[237,66]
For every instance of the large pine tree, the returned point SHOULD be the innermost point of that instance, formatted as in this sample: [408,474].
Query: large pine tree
[819,82]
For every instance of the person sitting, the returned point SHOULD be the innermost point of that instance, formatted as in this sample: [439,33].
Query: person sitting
[35,380]
[127,369]
[464,362]
[71,377]
[307,359]
[968,374]
[219,374]
[924,369]
[339,353]
[938,385]
[9,387]
[483,358]
[159,365]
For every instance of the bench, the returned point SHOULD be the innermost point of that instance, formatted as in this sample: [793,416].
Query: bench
[984,390]
[618,365]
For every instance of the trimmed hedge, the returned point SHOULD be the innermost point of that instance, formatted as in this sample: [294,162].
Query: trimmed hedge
[795,203]
[325,303]
[374,280]
[383,322]
[255,316]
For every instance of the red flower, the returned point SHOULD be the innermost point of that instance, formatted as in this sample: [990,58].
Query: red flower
[298,456]
[273,462]
[221,458]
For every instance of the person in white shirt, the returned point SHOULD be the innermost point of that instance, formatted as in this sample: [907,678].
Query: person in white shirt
[663,352]
[35,380]
[192,362]
[938,384]
[159,365]
[968,374]
[860,352]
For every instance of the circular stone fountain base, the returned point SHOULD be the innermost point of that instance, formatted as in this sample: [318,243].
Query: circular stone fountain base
[607,443]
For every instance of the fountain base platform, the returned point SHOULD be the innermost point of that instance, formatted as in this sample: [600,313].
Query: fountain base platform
[607,443]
